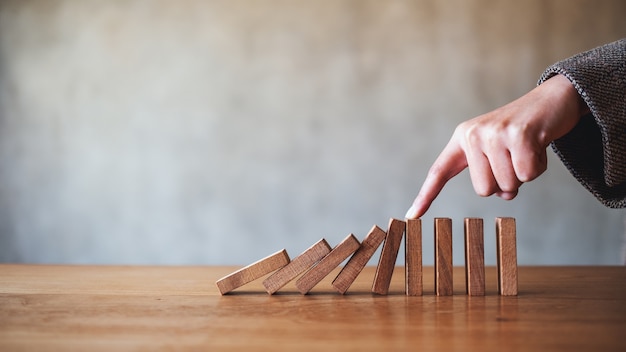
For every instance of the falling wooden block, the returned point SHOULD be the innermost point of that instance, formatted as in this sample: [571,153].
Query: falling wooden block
[297,266]
[443,257]
[253,271]
[413,257]
[314,275]
[474,257]
[357,262]
[506,256]
[388,255]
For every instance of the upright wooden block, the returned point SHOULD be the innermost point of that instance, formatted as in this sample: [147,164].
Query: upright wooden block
[443,257]
[506,256]
[252,271]
[413,257]
[474,257]
[297,266]
[388,255]
[357,262]
[314,275]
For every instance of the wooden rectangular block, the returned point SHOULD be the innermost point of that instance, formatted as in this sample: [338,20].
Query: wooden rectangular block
[357,262]
[443,257]
[313,276]
[413,257]
[474,257]
[506,243]
[297,266]
[388,255]
[253,271]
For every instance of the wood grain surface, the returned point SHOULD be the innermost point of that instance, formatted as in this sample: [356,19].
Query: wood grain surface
[314,275]
[474,257]
[443,257]
[506,254]
[413,257]
[388,256]
[253,271]
[297,266]
[359,259]
[105,308]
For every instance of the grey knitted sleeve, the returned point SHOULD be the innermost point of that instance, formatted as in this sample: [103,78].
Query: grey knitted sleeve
[595,150]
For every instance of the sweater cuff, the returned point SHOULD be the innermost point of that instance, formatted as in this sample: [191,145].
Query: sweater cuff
[595,150]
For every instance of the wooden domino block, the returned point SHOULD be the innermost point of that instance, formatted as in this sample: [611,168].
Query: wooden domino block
[253,271]
[314,275]
[387,261]
[443,257]
[474,257]
[506,256]
[413,257]
[297,266]
[357,262]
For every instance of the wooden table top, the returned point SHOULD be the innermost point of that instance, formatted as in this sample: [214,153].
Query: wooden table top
[179,308]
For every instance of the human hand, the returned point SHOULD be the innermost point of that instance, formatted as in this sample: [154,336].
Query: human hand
[506,147]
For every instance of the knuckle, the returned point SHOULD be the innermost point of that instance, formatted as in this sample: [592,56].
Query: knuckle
[519,130]
[537,167]
[471,134]
[512,188]
[508,187]
[438,172]
[484,190]
[527,175]
[510,184]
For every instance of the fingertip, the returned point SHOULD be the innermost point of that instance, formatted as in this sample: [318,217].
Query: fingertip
[507,195]
[418,208]
[412,213]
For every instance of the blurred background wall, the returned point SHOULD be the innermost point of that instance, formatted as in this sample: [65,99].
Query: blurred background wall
[217,132]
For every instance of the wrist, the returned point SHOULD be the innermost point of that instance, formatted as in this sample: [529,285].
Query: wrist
[571,95]
[557,108]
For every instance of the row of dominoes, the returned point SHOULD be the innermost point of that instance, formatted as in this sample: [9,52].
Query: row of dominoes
[319,260]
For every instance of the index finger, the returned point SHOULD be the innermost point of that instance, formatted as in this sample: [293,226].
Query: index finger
[448,164]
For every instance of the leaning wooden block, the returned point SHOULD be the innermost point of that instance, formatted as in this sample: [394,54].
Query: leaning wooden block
[253,271]
[387,261]
[413,257]
[506,256]
[357,262]
[443,257]
[474,257]
[319,271]
[297,266]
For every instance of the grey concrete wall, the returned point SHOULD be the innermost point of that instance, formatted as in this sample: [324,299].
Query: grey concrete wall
[217,132]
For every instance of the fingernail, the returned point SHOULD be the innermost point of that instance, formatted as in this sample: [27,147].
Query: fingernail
[412,212]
